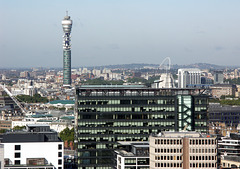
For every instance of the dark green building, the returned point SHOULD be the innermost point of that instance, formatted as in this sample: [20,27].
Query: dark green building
[109,114]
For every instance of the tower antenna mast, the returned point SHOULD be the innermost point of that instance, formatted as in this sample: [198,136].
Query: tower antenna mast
[67,27]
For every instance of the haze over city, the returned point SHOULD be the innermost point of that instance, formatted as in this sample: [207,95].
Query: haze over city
[120,32]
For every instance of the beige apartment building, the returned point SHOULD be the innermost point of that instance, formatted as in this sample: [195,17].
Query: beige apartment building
[219,90]
[183,150]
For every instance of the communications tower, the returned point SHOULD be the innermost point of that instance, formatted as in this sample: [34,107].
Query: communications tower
[67,26]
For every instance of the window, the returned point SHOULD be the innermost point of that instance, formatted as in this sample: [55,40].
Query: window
[59,146]
[59,162]
[59,167]
[17,155]
[59,154]
[17,147]
[17,162]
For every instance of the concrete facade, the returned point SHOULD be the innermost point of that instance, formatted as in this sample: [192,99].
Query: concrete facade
[188,77]
[183,150]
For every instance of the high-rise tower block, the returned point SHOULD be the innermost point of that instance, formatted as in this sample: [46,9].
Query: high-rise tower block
[67,26]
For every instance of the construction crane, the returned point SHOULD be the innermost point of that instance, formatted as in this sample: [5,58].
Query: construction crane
[13,98]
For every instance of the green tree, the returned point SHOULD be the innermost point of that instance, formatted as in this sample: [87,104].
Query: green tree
[233,81]
[67,134]
[3,130]
[19,127]
[32,99]
[99,81]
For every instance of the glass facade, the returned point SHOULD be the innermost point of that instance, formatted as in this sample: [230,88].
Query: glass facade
[109,115]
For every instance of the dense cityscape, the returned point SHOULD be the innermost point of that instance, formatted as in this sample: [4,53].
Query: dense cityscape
[119,116]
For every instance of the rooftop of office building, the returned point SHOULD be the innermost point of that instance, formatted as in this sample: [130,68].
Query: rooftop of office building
[32,133]
[135,149]
[133,90]
[181,134]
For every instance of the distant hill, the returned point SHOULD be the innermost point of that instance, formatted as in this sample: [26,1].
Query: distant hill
[176,66]
[200,66]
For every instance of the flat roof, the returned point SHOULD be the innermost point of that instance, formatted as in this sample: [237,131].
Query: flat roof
[37,125]
[62,102]
[181,134]
[112,86]
[133,142]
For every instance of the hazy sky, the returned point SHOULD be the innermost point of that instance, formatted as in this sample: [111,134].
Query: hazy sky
[120,32]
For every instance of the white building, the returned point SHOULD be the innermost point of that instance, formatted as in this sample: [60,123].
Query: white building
[37,147]
[188,77]
[1,156]
[137,158]
[183,150]
[166,81]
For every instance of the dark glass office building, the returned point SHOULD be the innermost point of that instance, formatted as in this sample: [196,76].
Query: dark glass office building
[230,115]
[109,114]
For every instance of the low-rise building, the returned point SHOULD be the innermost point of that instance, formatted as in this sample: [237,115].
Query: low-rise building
[229,145]
[182,150]
[230,115]
[36,147]
[135,156]
[219,90]
[230,162]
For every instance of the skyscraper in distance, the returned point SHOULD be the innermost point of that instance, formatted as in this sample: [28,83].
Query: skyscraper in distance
[67,26]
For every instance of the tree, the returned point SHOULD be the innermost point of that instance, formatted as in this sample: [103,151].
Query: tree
[233,81]
[67,134]
[3,130]
[19,127]
[99,81]
[32,99]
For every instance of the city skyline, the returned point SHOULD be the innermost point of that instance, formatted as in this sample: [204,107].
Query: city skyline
[120,32]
